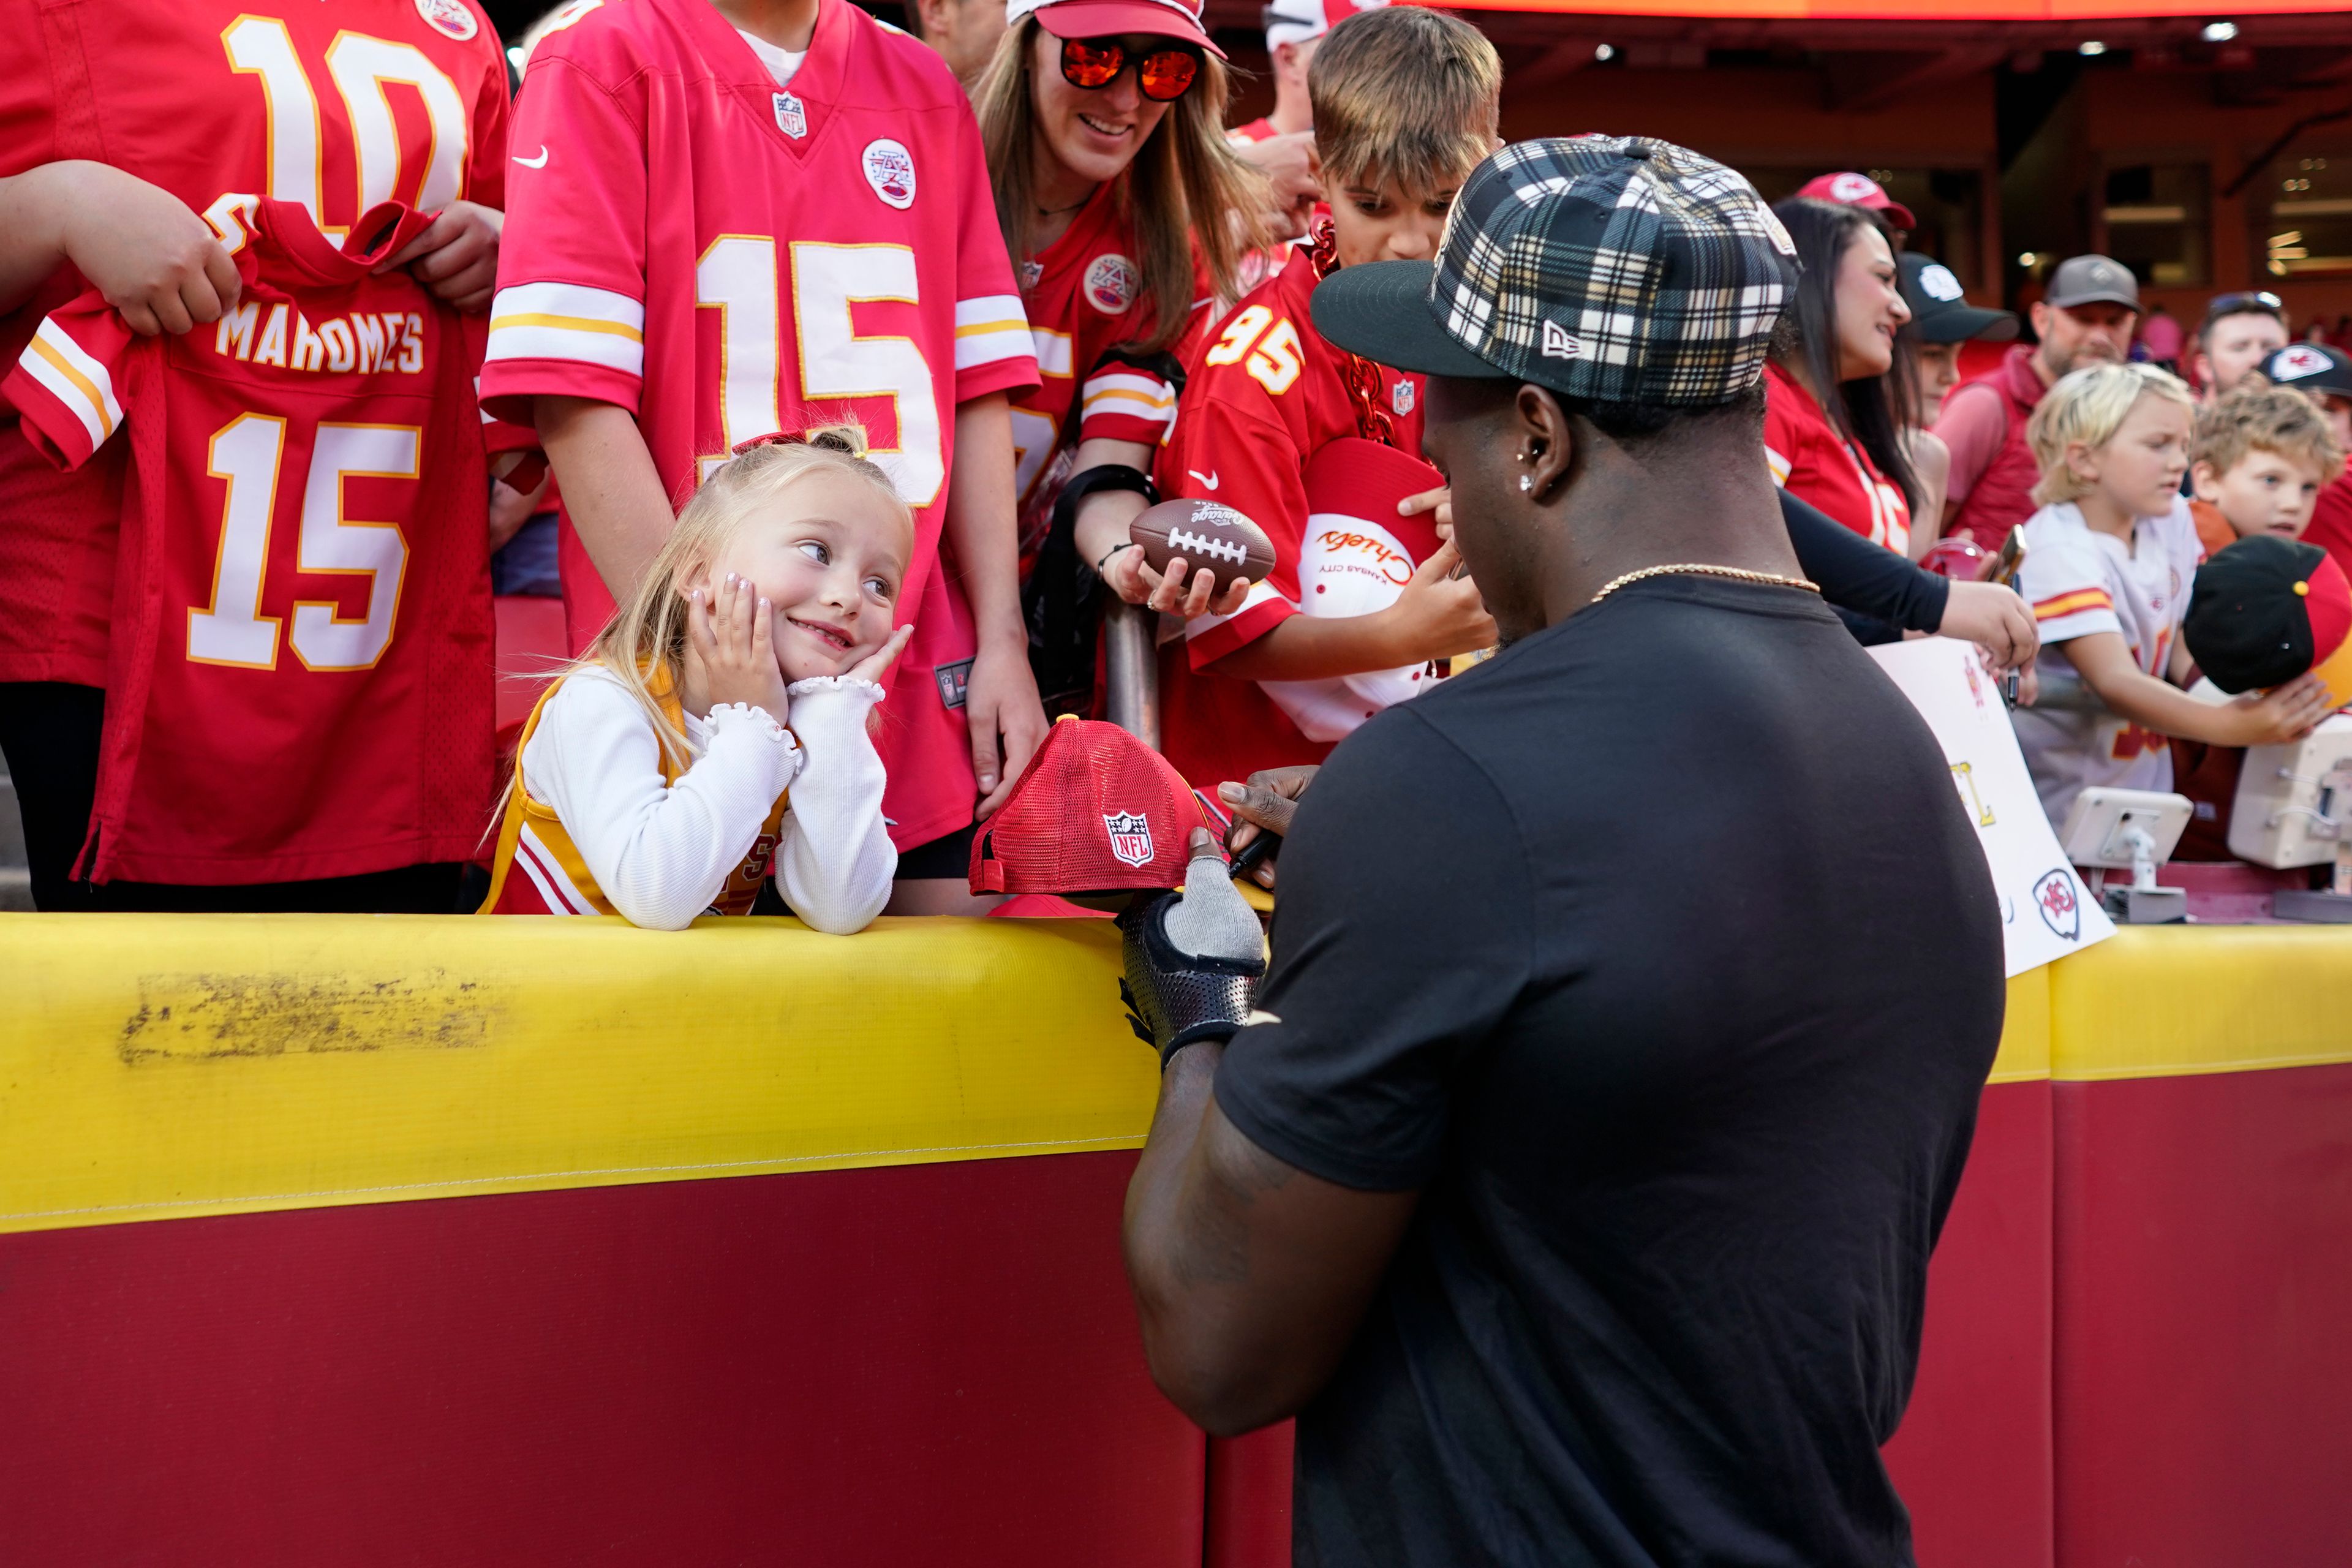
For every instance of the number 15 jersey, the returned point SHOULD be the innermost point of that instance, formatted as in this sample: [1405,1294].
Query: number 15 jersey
[297,685]
[725,256]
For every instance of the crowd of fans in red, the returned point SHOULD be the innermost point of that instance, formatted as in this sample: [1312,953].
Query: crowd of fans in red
[339,359]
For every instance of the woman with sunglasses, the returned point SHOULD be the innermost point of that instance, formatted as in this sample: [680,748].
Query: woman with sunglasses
[1126,213]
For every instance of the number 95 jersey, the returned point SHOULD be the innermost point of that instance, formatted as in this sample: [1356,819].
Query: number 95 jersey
[726,257]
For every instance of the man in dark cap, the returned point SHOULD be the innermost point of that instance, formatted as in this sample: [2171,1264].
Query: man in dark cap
[2085,318]
[1573,1174]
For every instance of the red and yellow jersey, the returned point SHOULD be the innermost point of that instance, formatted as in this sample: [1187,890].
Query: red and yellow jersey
[725,257]
[299,684]
[1084,297]
[335,109]
[539,870]
[1263,393]
[1813,462]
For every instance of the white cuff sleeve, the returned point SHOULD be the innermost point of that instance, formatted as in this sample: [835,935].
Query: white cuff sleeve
[660,853]
[836,864]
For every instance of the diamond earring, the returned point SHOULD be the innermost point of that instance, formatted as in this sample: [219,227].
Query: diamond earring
[1527,483]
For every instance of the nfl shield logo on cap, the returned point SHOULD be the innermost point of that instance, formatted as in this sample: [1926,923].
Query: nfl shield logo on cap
[1130,838]
[1096,811]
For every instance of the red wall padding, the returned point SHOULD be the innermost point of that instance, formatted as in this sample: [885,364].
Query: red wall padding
[2204,1321]
[1973,1458]
[922,1364]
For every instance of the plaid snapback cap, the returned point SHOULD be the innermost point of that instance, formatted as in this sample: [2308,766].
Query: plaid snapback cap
[1614,269]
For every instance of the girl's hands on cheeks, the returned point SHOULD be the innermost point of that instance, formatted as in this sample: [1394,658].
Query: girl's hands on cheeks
[730,627]
[875,664]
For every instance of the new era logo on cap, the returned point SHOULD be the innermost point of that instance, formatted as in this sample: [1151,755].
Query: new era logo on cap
[1557,343]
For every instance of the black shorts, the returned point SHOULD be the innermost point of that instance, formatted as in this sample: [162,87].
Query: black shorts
[943,858]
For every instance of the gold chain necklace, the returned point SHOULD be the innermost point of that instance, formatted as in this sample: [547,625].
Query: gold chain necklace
[1704,570]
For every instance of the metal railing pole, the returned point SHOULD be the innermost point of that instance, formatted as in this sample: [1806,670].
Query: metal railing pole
[1131,669]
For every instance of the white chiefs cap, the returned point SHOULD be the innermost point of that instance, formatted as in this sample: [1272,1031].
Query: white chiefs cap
[1296,21]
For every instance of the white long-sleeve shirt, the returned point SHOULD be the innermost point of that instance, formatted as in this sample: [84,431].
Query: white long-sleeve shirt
[661,852]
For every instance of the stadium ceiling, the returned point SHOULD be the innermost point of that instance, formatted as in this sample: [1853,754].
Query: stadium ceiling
[1870,53]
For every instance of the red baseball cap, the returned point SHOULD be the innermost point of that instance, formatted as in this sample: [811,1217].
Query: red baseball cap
[1853,190]
[1108,18]
[1096,811]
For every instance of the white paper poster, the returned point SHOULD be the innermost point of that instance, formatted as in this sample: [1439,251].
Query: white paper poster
[2046,911]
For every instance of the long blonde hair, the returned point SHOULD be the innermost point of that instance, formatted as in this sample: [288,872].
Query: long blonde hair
[645,642]
[1186,185]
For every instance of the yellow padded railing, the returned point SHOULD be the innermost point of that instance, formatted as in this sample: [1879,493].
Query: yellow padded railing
[154,1067]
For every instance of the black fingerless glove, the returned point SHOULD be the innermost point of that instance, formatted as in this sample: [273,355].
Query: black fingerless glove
[1177,998]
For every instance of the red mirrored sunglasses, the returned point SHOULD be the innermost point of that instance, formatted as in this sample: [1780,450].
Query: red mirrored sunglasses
[1164,74]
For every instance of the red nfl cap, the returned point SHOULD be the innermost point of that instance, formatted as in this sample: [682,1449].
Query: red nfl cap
[1850,189]
[1096,811]
[1105,18]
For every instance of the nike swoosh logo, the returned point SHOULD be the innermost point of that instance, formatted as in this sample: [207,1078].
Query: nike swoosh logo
[537,163]
[1208,480]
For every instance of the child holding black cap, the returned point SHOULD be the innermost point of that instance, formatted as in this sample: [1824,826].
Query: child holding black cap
[2109,563]
[2267,611]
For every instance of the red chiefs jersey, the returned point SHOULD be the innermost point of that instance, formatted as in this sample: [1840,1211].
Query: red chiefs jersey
[298,683]
[1263,392]
[334,108]
[725,257]
[1083,300]
[1812,461]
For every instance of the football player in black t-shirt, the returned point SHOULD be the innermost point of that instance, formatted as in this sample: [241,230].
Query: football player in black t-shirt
[1574,1175]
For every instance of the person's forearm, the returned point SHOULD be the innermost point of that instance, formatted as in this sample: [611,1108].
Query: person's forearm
[978,528]
[1184,1235]
[1104,517]
[611,491]
[1250,1275]
[32,230]
[2162,707]
[1855,574]
[1318,647]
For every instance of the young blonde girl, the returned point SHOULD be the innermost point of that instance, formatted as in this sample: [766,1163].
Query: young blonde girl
[719,725]
[2109,560]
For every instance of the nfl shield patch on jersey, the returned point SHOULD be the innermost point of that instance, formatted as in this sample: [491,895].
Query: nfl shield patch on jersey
[790,118]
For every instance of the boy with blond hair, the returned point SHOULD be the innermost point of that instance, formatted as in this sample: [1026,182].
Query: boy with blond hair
[1406,102]
[2261,456]
[2109,563]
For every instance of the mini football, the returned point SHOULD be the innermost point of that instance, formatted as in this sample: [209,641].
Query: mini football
[1205,533]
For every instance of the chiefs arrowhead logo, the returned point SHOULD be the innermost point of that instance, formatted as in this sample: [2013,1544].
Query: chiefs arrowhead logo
[2297,360]
[2061,903]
